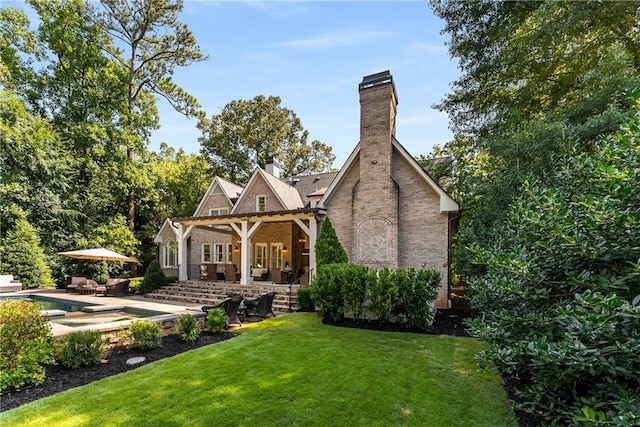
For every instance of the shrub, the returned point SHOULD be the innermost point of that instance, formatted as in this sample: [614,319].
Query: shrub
[329,250]
[172,279]
[384,294]
[154,278]
[145,334]
[188,329]
[356,281]
[81,349]
[22,256]
[305,302]
[216,320]
[136,285]
[402,296]
[24,344]
[326,290]
[559,298]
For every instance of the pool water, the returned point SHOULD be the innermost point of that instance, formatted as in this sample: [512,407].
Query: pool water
[83,319]
[47,303]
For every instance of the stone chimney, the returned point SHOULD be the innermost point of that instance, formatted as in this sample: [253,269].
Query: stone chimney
[273,167]
[376,194]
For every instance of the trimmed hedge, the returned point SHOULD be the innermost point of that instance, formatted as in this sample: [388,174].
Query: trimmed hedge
[404,295]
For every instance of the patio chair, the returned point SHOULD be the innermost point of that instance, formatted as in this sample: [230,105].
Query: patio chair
[87,287]
[261,307]
[74,283]
[277,276]
[230,273]
[203,271]
[230,306]
[117,288]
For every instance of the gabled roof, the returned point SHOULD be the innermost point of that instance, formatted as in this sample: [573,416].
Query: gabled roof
[311,185]
[447,204]
[169,224]
[230,190]
[288,196]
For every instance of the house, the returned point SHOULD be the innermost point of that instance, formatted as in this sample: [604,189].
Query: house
[385,208]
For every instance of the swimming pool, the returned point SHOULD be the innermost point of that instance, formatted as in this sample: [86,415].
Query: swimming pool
[48,303]
[76,313]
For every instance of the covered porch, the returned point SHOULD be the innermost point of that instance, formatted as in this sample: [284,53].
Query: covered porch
[253,243]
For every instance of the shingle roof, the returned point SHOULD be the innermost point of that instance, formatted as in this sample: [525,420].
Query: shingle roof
[287,194]
[232,190]
[310,185]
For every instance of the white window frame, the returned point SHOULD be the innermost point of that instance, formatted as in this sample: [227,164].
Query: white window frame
[170,256]
[218,211]
[264,204]
[262,261]
[204,254]
[276,255]
[218,253]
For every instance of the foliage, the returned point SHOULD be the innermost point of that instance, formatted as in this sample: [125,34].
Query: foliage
[403,296]
[153,43]
[247,133]
[84,348]
[305,302]
[560,294]
[216,320]
[24,344]
[23,257]
[136,285]
[188,328]
[329,250]
[540,81]
[145,334]
[154,278]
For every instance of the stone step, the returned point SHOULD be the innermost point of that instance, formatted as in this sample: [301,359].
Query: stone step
[212,293]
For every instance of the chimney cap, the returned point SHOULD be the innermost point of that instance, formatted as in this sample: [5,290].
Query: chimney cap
[378,79]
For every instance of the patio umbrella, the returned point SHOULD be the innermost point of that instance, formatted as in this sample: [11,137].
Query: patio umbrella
[100,254]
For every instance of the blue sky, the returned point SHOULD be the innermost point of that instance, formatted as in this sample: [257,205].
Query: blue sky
[313,54]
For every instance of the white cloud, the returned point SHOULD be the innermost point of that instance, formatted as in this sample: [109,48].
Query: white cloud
[349,37]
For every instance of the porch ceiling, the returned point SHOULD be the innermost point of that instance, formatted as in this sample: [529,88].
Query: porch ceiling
[273,216]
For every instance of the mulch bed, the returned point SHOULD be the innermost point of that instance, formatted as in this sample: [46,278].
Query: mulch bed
[59,378]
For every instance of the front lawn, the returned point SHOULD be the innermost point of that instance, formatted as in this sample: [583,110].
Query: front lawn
[292,370]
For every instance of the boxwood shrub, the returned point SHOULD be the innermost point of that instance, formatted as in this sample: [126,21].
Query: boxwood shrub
[403,295]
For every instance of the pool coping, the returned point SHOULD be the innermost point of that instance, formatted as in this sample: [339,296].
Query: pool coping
[172,311]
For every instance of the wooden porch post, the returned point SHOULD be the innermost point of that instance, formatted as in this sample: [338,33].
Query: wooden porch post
[245,232]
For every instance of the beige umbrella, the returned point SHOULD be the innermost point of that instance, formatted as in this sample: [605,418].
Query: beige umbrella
[100,254]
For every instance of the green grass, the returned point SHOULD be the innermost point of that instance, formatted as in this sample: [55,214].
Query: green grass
[292,370]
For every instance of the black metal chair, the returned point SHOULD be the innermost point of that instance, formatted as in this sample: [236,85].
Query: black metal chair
[230,306]
[260,307]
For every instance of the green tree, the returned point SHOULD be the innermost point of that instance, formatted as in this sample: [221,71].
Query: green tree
[538,79]
[329,250]
[23,257]
[247,133]
[151,44]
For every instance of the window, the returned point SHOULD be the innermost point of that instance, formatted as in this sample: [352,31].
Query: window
[229,253]
[206,252]
[171,254]
[218,211]
[261,255]
[261,203]
[276,255]
[218,253]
